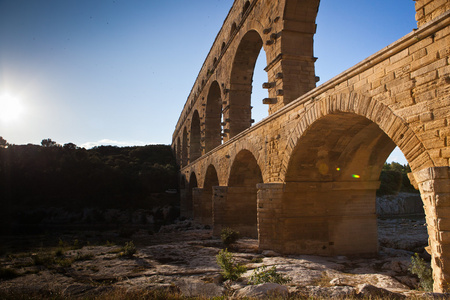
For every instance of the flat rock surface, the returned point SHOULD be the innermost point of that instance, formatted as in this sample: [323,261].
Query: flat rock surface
[184,257]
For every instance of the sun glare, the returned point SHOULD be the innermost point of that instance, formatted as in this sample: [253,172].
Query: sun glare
[10,108]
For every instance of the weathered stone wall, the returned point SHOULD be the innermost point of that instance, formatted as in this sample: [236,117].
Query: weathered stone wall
[235,207]
[427,10]
[434,186]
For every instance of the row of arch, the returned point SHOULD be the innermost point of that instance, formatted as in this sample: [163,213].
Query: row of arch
[223,47]
[355,151]
[227,112]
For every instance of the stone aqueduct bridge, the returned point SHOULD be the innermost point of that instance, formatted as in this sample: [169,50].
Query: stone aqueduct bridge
[303,180]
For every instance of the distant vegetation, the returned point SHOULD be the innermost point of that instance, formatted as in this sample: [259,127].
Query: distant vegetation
[71,177]
[394,179]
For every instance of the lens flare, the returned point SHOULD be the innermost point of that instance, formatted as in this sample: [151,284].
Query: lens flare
[356,176]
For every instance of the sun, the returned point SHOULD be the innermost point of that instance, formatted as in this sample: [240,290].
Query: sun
[11,108]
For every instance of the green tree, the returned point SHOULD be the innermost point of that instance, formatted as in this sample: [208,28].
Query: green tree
[48,143]
[70,146]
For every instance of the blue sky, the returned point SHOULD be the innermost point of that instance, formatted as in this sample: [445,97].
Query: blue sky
[119,71]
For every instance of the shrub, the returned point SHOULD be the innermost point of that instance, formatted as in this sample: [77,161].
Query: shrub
[59,252]
[257,260]
[64,262]
[423,270]
[128,250]
[263,275]
[230,269]
[43,259]
[229,236]
[76,244]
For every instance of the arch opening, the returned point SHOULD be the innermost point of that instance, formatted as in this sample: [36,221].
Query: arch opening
[233,29]
[195,150]
[178,150]
[239,209]
[245,8]
[245,171]
[239,111]
[189,199]
[205,207]
[222,48]
[184,150]
[213,118]
[258,109]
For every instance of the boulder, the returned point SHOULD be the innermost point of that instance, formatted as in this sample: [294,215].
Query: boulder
[334,292]
[370,291]
[269,253]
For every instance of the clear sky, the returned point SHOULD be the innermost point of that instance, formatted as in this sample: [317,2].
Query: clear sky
[118,72]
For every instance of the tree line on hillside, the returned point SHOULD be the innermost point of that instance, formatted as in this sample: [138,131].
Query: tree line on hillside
[108,176]
[70,176]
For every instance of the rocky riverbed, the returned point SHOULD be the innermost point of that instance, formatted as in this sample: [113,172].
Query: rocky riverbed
[182,257]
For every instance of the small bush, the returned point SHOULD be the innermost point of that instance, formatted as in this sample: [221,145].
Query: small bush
[229,236]
[43,259]
[423,270]
[64,262]
[128,250]
[230,269]
[263,275]
[59,252]
[76,244]
[257,260]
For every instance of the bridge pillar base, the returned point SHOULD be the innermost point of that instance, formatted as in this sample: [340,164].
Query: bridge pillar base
[318,218]
[269,209]
[434,186]
[234,207]
[202,203]
[185,207]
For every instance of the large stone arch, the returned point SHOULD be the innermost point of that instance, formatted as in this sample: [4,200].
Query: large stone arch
[339,147]
[392,125]
[336,164]
[255,151]
[213,117]
[195,150]
[238,111]
[331,167]
[245,170]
